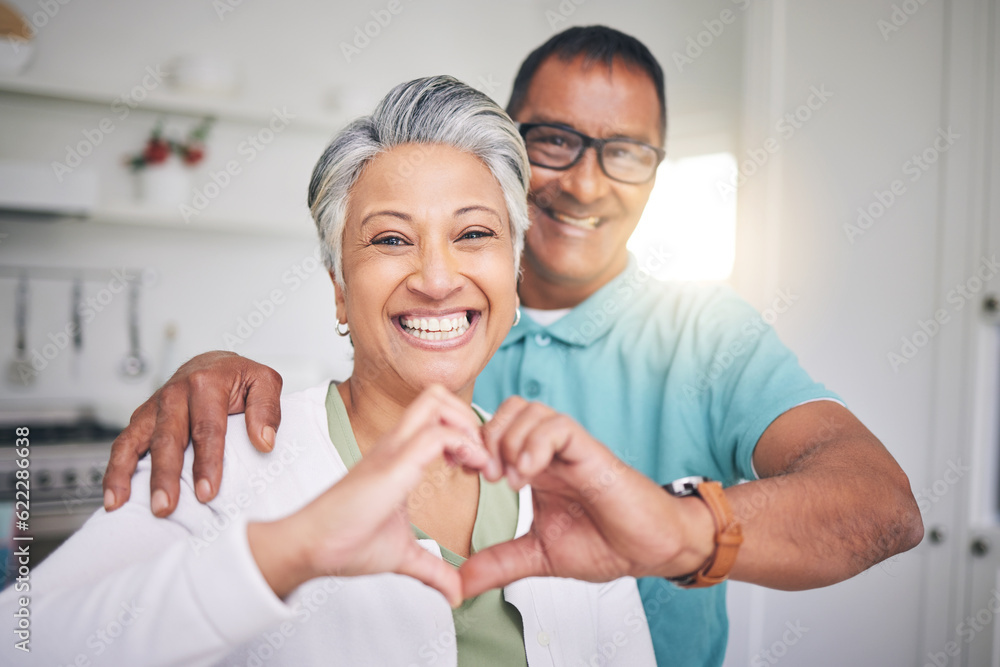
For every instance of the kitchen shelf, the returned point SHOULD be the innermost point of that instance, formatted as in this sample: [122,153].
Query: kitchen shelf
[171,218]
[167,104]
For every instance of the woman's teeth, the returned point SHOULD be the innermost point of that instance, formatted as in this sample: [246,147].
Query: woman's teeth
[583,223]
[434,328]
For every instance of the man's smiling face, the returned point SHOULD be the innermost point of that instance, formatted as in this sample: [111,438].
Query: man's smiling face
[581,219]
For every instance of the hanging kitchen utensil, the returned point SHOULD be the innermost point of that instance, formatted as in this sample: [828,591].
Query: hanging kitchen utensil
[133,365]
[167,365]
[76,304]
[20,371]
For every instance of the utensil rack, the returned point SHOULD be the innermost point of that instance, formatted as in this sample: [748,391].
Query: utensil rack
[69,274]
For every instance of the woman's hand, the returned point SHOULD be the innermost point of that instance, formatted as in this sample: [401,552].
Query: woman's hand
[360,525]
[595,518]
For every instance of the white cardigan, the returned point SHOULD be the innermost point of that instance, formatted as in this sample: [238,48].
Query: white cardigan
[131,589]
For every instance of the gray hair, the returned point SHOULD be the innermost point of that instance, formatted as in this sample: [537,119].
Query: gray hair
[432,110]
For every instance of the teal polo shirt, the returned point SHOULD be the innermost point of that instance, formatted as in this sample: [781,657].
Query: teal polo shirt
[677,379]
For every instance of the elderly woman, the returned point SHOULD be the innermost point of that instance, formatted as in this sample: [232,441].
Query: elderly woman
[421,212]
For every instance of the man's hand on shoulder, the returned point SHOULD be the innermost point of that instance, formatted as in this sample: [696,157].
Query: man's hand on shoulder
[193,406]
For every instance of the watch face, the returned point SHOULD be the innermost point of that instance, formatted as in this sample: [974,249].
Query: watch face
[685,486]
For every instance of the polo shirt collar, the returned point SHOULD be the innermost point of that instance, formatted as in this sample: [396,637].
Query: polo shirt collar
[586,322]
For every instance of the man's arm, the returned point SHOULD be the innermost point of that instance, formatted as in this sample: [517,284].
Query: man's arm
[193,406]
[834,502]
[831,502]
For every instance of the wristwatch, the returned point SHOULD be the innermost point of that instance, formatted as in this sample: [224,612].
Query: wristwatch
[728,535]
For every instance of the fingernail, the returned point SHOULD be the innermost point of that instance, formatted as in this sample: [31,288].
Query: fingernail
[160,502]
[492,470]
[523,461]
[268,435]
[109,499]
[203,490]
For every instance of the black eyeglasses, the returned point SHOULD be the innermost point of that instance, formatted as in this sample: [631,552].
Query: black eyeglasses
[559,147]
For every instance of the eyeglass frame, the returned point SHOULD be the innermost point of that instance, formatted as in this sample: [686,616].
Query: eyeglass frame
[598,144]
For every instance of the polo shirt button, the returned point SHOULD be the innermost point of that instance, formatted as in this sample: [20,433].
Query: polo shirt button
[542,339]
[532,389]
[543,638]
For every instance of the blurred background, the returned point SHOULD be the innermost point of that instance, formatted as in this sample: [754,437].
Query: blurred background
[839,160]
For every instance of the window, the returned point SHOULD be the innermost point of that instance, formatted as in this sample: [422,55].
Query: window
[689,219]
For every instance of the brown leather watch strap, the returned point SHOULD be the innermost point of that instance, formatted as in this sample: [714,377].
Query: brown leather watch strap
[728,538]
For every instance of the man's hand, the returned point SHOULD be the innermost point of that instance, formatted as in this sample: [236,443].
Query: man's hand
[595,518]
[193,404]
[360,525]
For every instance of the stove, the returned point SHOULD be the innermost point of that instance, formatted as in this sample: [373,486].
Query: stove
[66,462]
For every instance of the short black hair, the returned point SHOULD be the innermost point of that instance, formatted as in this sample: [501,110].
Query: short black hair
[596,43]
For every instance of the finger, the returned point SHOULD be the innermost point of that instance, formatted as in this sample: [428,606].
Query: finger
[513,440]
[170,439]
[495,428]
[208,406]
[454,412]
[126,450]
[431,443]
[548,439]
[262,403]
[392,472]
[425,567]
[438,405]
[472,456]
[503,563]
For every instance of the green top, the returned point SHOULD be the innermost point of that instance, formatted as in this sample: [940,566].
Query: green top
[488,629]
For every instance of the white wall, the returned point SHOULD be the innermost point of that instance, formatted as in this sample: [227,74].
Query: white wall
[860,294]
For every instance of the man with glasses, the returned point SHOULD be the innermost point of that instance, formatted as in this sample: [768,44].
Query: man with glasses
[559,147]
[682,382]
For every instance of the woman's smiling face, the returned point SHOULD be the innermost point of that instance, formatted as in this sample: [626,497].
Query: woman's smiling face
[428,268]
